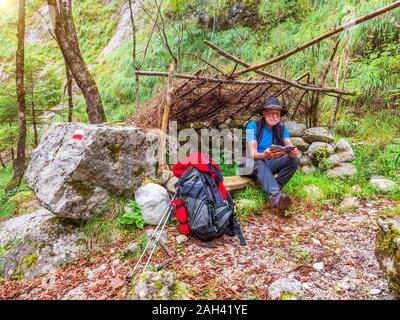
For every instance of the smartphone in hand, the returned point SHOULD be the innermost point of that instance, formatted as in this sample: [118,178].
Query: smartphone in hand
[286,149]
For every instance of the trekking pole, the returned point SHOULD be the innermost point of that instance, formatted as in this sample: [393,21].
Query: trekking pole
[158,239]
[152,236]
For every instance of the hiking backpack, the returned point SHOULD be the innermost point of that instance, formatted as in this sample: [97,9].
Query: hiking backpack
[203,206]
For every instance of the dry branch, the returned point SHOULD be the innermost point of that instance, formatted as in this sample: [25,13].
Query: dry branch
[207,79]
[275,77]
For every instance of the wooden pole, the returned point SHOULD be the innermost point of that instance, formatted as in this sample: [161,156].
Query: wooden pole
[272,76]
[206,79]
[315,110]
[136,99]
[164,121]
[328,34]
[251,83]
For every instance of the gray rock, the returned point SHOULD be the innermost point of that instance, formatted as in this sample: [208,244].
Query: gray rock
[382,183]
[91,274]
[153,201]
[236,123]
[3,76]
[328,202]
[337,158]
[171,184]
[76,293]
[313,192]
[38,243]
[130,248]
[286,286]
[356,189]
[350,202]
[319,150]
[305,160]
[165,175]
[343,170]
[152,240]
[318,134]
[375,291]
[309,169]
[296,129]
[75,178]
[123,30]
[37,29]
[327,216]
[181,238]
[318,266]
[300,143]
[342,146]
[154,286]
[316,242]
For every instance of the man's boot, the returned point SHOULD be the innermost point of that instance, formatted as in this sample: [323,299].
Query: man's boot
[282,202]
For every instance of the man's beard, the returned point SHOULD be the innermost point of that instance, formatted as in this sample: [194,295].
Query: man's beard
[272,122]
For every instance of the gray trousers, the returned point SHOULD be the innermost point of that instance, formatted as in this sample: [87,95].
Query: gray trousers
[284,166]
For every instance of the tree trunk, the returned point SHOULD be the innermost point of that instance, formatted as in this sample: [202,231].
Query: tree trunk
[68,42]
[69,92]
[19,166]
[11,143]
[2,162]
[134,62]
[34,123]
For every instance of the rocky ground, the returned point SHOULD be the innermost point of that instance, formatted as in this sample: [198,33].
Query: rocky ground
[330,252]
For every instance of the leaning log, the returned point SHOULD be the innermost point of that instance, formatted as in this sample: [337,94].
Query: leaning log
[270,75]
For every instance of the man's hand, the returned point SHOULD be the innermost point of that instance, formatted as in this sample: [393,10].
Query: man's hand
[268,153]
[294,153]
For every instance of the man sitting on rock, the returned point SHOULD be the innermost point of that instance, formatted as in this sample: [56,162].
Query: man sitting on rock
[261,135]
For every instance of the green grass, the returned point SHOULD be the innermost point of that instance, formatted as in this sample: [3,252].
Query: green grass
[16,200]
[103,228]
[250,201]
[7,208]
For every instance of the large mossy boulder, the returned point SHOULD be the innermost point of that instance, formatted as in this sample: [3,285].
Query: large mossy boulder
[388,250]
[77,167]
[38,243]
[157,286]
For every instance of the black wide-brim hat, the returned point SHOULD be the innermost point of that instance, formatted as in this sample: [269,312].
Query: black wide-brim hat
[273,103]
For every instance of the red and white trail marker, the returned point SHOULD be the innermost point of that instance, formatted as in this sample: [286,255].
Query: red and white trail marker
[78,135]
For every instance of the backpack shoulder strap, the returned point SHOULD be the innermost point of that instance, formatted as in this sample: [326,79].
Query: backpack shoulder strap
[260,124]
[277,133]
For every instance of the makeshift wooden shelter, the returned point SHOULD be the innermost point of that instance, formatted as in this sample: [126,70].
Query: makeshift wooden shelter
[217,99]
[220,98]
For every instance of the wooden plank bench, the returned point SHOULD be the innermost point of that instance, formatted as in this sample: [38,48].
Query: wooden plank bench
[238,182]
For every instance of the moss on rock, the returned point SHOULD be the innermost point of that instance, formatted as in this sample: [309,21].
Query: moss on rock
[114,152]
[388,251]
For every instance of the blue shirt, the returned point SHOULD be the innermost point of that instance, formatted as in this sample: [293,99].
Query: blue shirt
[266,139]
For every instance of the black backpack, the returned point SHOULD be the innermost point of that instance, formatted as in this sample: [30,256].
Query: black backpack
[208,215]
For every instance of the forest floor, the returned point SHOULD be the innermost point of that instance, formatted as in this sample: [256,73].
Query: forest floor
[330,251]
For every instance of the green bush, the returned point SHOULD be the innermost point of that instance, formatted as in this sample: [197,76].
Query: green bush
[133,216]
